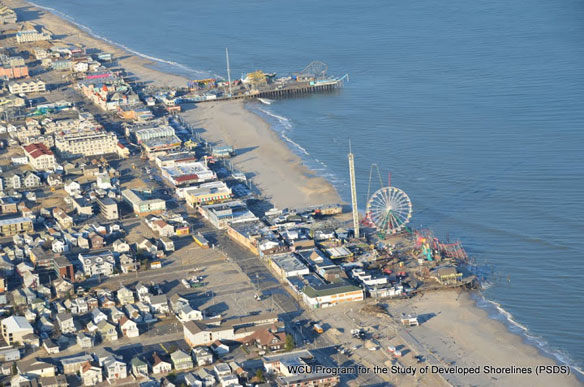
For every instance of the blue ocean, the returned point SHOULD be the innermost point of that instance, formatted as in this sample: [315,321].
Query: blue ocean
[476,108]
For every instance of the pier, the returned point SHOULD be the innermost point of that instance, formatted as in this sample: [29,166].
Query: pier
[313,79]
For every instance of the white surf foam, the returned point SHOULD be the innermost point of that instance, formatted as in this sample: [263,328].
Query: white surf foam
[85,28]
[518,328]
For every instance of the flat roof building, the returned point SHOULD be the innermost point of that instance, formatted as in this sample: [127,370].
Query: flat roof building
[141,205]
[108,208]
[13,226]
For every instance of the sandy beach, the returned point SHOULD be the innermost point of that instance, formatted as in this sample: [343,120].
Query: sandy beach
[458,332]
[274,168]
[464,335]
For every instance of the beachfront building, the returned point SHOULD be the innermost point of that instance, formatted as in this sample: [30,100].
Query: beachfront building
[142,204]
[288,265]
[13,226]
[40,157]
[29,32]
[185,174]
[175,159]
[86,143]
[207,193]
[223,214]
[26,87]
[150,133]
[7,15]
[317,293]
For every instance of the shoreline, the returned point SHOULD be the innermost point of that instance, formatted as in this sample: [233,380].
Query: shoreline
[219,121]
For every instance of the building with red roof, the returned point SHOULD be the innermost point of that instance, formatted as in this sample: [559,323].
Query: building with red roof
[40,157]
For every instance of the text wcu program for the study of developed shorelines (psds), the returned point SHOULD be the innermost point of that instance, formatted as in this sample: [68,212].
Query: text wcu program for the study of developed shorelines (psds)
[432,369]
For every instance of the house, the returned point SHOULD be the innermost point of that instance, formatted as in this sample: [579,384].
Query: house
[72,188]
[102,263]
[125,296]
[159,366]
[116,315]
[146,247]
[30,180]
[66,323]
[91,375]
[84,340]
[205,376]
[166,244]
[54,381]
[128,264]
[162,228]
[187,313]
[114,369]
[120,246]
[132,312]
[139,367]
[203,356]
[96,241]
[79,306]
[14,328]
[36,368]
[159,304]
[269,339]
[180,360]
[98,316]
[50,346]
[107,331]
[129,328]
[72,365]
[141,290]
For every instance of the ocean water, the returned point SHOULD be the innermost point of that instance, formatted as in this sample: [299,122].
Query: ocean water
[476,109]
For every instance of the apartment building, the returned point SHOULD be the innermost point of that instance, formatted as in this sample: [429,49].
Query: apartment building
[13,226]
[108,208]
[40,157]
[25,87]
[86,143]
[32,33]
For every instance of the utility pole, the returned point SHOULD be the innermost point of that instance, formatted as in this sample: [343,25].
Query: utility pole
[353,192]
[228,70]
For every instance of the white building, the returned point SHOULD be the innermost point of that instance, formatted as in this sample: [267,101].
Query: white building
[98,264]
[24,87]
[14,328]
[86,143]
[40,157]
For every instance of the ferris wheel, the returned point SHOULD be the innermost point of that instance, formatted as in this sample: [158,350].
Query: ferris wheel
[389,209]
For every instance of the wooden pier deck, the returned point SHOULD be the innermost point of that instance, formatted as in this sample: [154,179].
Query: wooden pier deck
[283,91]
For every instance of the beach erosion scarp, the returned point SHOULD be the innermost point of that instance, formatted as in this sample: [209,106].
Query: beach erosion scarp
[280,174]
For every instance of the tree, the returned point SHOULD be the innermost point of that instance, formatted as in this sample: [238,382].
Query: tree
[260,375]
[289,345]
[14,368]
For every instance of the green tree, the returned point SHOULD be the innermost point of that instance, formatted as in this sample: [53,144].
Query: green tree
[14,368]
[260,375]
[289,344]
